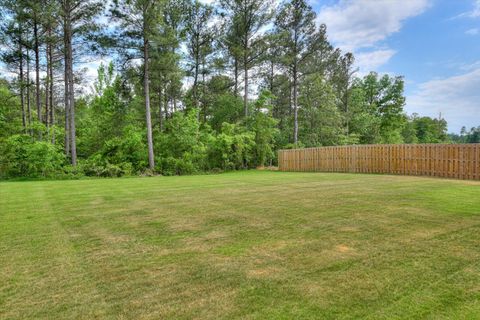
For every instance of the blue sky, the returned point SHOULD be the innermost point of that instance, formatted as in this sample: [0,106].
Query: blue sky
[434,44]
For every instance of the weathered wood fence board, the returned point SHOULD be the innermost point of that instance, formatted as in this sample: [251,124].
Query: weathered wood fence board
[459,161]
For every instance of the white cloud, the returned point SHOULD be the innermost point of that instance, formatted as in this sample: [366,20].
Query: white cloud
[364,24]
[371,60]
[472,32]
[456,97]
[474,13]
[90,70]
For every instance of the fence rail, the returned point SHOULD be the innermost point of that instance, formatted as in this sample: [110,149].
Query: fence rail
[459,161]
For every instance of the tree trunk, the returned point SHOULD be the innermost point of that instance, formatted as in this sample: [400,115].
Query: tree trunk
[70,143]
[47,93]
[272,74]
[71,92]
[151,160]
[67,110]
[195,80]
[37,72]
[29,109]
[165,101]
[160,111]
[295,106]
[22,94]
[204,105]
[67,127]
[346,110]
[245,93]
[52,111]
[235,89]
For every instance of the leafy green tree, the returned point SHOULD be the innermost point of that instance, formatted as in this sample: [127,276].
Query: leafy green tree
[20,156]
[10,122]
[138,25]
[409,132]
[107,114]
[430,130]
[474,135]
[319,118]
[78,24]
[232,148]
[225,108]
[264,126]
[200,35]
[247,18]
[296,29]
[379,102]
[183,145]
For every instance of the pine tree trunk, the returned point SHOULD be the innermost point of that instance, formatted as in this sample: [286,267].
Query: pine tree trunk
[67,88]
[235,90]
[245,93]
[70,94]
[160,111]
[47,93]
[295,105]
[29,109]
[195,80]
[22,94]
[272,74]
[165,102]
[67,127]
[37,71]
[151,160]
[204,105]
[52,110]
[346,110]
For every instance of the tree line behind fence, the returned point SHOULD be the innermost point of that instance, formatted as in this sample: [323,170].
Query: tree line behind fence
[459,161]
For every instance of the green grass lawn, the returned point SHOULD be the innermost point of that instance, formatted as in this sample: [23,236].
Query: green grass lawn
[246,245]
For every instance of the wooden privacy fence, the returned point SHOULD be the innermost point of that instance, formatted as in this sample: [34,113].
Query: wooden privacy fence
[459,161]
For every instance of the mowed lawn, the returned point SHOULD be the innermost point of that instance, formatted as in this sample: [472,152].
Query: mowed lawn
[245,245]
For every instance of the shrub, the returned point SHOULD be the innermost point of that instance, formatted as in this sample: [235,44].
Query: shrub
[20,155]
[232,148]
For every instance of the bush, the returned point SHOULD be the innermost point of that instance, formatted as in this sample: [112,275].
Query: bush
[233,148]
[119,156]
[21,156]
[171,166]
[182,148]
[97,166]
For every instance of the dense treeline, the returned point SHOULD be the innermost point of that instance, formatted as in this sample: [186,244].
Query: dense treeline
[466,136]
[192,88]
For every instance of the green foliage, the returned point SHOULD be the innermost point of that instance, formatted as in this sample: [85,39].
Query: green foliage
[320,120]
[226,108]
[264,127]
[430,130]
[21,156]
[106,115]
[232,148]
[119,156]
[182,147]
[376,113]
[472,136]
[10,116]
